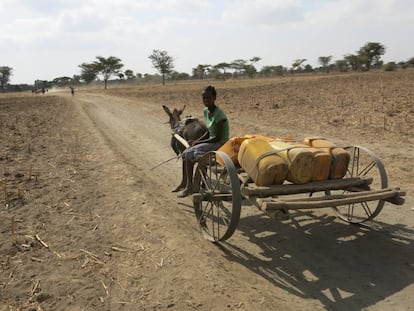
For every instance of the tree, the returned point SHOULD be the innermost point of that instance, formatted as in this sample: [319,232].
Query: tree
[222,66]
[62,81]
[238,65]
[5,73]
[308,68]
[390,66]
[297,64]
[179,75]
[129,74]
[324,61]
[255,59]
[76,79]
[108,67]
[411,61]
[273,71]
[89,72]
[162,62]
[402,65]
[200,71]
[341,65]
[356,62]
[250,70]
[372,51]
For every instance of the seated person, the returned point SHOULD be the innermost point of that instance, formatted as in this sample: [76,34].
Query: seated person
[219,130]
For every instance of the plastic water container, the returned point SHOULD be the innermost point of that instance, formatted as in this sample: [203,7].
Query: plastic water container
[257,157]
[300,160]
[232,146]
[339,156]
[321,164]
[321,160]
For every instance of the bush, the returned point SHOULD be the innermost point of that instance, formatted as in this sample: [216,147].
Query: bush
[391,66]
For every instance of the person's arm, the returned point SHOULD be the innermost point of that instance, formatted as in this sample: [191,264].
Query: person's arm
[218,137]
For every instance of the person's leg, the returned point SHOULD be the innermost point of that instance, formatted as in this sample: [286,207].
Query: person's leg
[183,182]
[185,155]
[189,170]
[190,156]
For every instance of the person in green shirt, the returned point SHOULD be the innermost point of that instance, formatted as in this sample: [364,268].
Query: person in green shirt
[219,131]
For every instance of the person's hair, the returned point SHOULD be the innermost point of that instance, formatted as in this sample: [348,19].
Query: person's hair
[211,89]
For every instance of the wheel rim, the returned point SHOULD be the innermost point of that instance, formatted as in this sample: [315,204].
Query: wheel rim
[218,201]
[363,163]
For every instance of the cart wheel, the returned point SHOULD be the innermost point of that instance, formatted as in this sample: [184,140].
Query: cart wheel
[363,162]
[217,197]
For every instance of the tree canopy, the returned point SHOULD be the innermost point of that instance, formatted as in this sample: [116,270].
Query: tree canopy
[372,51]
[367,57]
[108,67]
[324,61]
[162,62]
[5,73]
[88,72]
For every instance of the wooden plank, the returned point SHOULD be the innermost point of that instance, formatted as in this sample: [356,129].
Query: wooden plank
[198,197]
[342,195]
[323,203]
[181,140]
[284,189]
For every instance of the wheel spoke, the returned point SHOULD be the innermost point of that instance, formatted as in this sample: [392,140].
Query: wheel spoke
[367,169]
[205,211]
[363,163]
[206,180]
[366,208]
[217,207]
[350,214]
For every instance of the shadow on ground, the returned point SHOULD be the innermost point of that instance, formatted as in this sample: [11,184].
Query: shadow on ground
[345,267]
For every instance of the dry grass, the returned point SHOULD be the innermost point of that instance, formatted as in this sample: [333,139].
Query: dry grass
[372,101]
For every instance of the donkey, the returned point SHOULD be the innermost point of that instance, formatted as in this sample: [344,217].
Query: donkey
[189,128]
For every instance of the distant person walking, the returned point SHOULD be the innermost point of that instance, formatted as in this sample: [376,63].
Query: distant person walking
[72,90]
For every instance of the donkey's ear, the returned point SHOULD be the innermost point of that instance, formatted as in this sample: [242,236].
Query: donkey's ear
[181,110]
[167,110]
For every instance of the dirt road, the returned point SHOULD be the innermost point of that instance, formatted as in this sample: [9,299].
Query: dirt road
[132,245]
[305,264]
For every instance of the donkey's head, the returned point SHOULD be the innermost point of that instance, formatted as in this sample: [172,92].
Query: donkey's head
[189,128]
[175,116]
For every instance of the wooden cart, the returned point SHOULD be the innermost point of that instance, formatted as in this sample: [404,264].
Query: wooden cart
[220,190]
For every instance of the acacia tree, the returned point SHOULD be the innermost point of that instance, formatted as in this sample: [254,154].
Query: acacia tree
[250,69]
[372,51]
[273,70]
[5,73]
[324,61]
[201,71]
[108,67]
[297,64]
[356,61]
[222,66]
[129,74]
[88,72]
[341,65]
[238,66]
[162,62]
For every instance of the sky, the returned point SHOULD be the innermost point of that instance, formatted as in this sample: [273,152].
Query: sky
[47,39]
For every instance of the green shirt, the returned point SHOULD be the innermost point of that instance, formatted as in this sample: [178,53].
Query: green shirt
[218,115]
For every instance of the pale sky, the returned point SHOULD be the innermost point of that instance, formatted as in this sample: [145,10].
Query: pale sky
[47,39]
